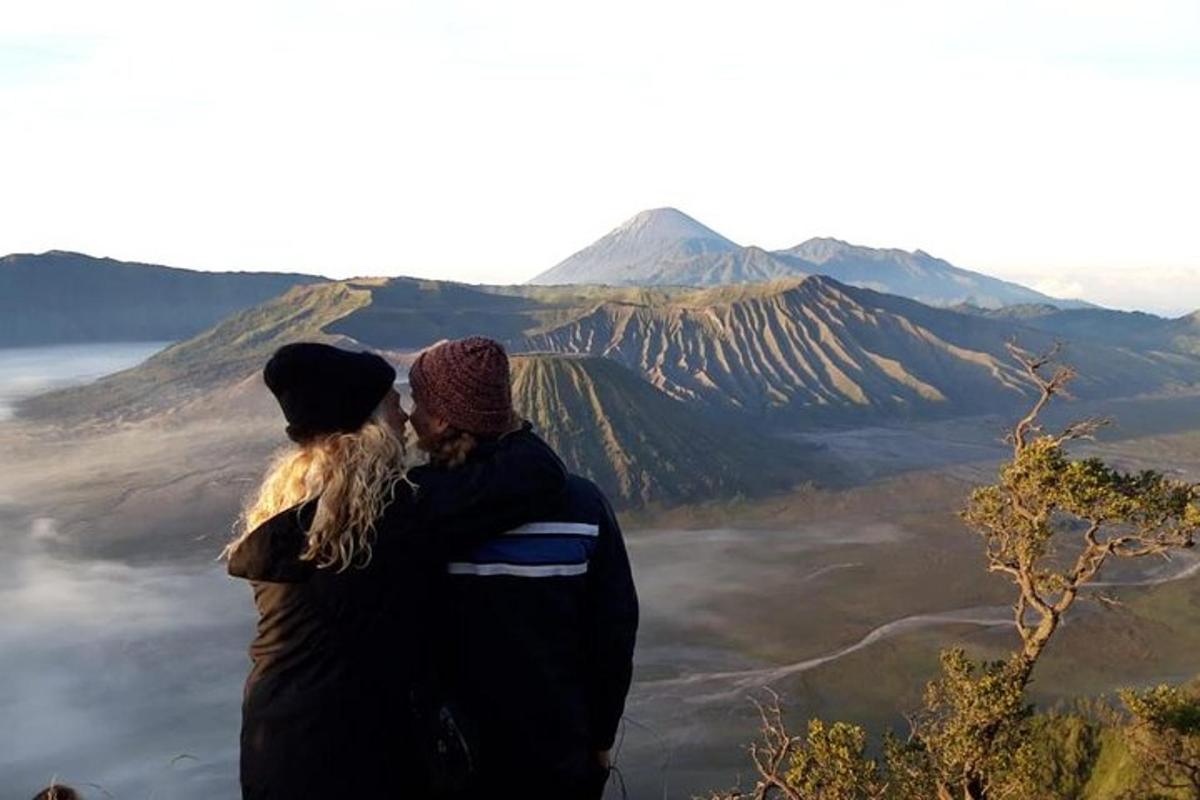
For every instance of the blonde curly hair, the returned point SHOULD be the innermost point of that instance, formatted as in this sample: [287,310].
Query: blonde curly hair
[352,476]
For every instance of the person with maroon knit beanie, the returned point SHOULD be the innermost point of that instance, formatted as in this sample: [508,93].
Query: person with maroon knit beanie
[462,393]
[538,624]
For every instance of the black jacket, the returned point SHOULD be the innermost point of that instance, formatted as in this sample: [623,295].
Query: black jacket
[541,628]
[325,709]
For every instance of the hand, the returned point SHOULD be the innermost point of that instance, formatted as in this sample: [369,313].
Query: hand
[604,758]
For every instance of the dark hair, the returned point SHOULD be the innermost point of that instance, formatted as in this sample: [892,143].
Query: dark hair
[57,792]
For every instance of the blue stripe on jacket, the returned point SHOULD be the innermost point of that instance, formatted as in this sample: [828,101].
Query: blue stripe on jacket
[537,549]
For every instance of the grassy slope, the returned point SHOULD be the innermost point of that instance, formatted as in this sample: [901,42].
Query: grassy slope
[219,356]
[638,444]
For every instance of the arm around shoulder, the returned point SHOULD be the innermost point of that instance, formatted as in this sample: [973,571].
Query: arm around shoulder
[502,487]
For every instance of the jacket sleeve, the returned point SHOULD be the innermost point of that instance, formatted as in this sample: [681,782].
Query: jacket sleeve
[614,619]
[458,508]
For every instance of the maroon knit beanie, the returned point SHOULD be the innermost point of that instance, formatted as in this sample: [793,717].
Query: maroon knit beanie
[466,383]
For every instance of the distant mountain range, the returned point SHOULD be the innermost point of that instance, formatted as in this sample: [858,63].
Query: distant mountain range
[662,393]
[796,349]
[1127,329]
[664,246]
[655,392]
[60,297]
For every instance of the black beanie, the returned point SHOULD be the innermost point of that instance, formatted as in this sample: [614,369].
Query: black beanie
[323,389]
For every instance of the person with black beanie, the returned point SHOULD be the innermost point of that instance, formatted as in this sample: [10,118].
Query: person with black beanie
[342,553]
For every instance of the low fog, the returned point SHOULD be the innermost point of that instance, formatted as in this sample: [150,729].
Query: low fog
[123,643]
[26,371]
[120,677]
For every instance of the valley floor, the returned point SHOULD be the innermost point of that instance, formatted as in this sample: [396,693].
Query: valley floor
[839,596]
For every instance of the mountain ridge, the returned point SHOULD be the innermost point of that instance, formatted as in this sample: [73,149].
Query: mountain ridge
[637,444]
[1127,329]
[61,296]
[816,346]
[644,389]
[791,349]
[681,259]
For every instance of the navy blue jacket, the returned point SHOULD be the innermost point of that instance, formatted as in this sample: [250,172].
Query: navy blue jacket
[541,630]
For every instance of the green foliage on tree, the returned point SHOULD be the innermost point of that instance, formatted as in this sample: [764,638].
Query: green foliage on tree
[1049,524]
[974,727]
[829,763]
[1063,749]
[1164,736]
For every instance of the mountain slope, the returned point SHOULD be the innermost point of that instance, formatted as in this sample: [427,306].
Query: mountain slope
[795,350]
[1127,329]
[639,445]
[817,347]
[1183,334]
[59,297]
[916,275]
[212,361]
[396,314]
[665,247]
[650,248]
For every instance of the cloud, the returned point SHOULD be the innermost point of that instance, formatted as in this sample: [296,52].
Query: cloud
[44,530]
[112,671]
[1059,286]
[1166,291]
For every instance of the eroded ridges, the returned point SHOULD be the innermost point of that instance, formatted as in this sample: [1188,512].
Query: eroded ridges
[638,444]
[793,344]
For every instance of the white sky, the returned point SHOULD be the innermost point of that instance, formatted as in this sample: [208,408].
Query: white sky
[1048,141]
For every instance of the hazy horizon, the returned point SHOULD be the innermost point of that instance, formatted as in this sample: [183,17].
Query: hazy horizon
[1052,145]
[1105,290]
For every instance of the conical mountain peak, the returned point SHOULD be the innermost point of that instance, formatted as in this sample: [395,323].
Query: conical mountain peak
[660,245]
[666,247]
[666,224]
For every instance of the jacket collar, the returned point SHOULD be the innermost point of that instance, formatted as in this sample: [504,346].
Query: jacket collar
[271,552]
